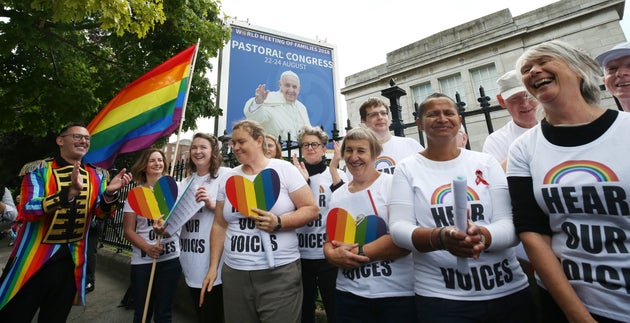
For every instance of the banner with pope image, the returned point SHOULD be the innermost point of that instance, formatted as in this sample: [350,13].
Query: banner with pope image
[293,76]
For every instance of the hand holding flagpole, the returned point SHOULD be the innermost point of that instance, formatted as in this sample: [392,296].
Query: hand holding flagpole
[154,204]
[150,287]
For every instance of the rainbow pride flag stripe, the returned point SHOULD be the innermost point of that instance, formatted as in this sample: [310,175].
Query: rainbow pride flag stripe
[144,111]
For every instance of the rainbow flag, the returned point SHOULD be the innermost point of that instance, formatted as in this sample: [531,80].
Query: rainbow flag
[144,111]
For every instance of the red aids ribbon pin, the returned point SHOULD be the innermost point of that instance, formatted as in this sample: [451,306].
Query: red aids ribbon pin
[480,179]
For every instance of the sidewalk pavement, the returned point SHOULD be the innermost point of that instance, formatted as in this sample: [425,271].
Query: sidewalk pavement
[112,280]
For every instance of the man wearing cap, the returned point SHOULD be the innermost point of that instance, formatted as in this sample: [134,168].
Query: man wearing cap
[521,106]
[616,65]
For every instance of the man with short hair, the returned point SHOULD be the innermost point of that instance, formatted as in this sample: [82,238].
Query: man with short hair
[374,114]
[616,65]
[279,112]
[522,107]
[46,269]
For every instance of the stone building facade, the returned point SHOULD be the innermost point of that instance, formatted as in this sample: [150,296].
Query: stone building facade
[476,53]
[182,151]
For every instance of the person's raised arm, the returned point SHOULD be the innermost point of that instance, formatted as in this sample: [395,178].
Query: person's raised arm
[333,167]
[253,104]
[301,167]
[122,179]
[261,93]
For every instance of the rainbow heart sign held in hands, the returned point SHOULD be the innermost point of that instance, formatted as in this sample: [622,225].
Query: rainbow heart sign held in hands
[262,193]
[341,226]
[152,204]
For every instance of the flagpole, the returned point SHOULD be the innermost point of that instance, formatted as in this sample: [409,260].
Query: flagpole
[181,122]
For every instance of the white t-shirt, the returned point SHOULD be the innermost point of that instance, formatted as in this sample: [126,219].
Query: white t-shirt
[144,228]
[394,150]
[498,143]
[194,236]
[584,190]
[379,278]
[312,236]
[243,247]
[422,197]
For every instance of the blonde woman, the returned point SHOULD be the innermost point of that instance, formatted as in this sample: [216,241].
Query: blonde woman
[256,288]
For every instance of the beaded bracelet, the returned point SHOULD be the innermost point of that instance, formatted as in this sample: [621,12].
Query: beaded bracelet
[440,241]
[431,239]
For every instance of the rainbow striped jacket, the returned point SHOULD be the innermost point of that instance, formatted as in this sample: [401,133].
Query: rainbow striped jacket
[44,187]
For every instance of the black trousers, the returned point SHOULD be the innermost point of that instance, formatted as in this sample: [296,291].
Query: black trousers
[51,290]
[212,309]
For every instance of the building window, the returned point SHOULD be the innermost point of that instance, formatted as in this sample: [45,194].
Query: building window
[485,76]
[421,91]
[452,84]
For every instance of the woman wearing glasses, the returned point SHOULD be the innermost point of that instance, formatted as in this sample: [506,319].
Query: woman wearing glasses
[374,114]
[316,271]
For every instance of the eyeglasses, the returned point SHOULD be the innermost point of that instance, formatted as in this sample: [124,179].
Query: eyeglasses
[77,136]
[313,145]
[376,114]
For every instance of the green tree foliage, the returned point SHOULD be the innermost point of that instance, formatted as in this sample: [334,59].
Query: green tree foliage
[61,61]
[135,16]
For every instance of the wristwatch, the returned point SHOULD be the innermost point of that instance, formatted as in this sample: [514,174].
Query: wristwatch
[279,225]
[361,253]
[111,195]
